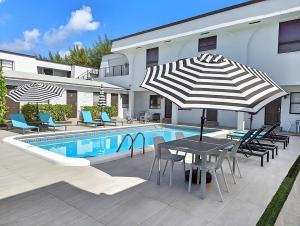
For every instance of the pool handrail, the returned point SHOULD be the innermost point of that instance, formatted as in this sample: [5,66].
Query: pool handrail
[144,141]
[131,147]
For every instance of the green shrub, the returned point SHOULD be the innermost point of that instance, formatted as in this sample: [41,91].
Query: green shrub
[59,112]
[3,92]
[111,111]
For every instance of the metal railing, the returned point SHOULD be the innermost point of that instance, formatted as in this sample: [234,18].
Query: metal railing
[89,74]
[144,141]
[123,140]
[132,142]
[118,70]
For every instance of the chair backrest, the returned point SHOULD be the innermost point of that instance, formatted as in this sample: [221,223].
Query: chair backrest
[105,117]
[220,159]
[45,117]
[271,129]
[233,149]
[179,135]
[158,151]
[18,120]
[246,136]
[87,116]
[256,134]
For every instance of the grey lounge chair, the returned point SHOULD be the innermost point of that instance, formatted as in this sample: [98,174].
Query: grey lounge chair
[165,154]
[178,135]
[211,167]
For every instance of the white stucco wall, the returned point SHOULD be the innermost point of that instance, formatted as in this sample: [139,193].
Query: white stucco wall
[21,63]
[84,99]
[255,45]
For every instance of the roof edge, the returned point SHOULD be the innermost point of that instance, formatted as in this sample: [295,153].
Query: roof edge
[250,2]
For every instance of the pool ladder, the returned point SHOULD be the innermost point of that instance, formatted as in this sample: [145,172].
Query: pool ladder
[133,139]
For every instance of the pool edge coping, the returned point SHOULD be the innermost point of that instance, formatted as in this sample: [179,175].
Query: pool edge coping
[67,161]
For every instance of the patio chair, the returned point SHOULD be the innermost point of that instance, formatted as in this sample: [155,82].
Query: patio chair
[165,154]
[253,141]
[250,150]
[178,135]
[46,119]
[271,136]
[88,119]
[232,153]
[144,116]
[211,167]
[106,119]
[18,121]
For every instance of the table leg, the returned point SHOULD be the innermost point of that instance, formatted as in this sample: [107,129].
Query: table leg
[203,176]
[233,165]
[158,172]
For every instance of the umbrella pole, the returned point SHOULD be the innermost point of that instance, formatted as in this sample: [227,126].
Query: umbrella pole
[251,120]
[202,123]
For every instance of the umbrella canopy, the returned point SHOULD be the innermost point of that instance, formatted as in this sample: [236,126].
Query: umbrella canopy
[102,101]
[214,82]
[35,92]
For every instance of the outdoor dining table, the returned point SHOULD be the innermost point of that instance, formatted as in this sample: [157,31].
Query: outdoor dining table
[194,146]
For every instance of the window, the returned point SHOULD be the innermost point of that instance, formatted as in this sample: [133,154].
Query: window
[208,43]
[295,103]
[154,102]
[125,100]
[289,36]
[7,64]
[152,57]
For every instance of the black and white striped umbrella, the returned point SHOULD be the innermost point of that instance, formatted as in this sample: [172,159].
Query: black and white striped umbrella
[102,101]
[35,92]
[214,82]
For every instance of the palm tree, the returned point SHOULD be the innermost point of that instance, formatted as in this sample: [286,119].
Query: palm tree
[100,48]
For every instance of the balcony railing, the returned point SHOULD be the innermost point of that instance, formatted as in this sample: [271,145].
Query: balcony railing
[89,74]
[118,70]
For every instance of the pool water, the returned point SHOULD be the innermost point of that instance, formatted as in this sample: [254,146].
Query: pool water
[106,142]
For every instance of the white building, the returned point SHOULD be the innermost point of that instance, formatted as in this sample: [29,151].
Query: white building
[81,88]
[264,34]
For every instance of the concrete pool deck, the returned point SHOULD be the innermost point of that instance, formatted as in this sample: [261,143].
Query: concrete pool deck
[36,192]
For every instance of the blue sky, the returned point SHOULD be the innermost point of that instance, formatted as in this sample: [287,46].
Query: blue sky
[36,26]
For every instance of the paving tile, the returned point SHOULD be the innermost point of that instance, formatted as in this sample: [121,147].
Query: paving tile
[171,216]
[132,212]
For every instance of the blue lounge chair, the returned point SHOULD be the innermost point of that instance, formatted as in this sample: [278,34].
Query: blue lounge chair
[106,119]
[88,119]
[18,121]
[47,120]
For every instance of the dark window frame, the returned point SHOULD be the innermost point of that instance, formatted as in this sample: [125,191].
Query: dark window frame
[158,101]
[282,35]
[209,43]
[150,63]
[10,62]
[126,104]
[291,103]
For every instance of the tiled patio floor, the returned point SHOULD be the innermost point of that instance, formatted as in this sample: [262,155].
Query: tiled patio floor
[36,192]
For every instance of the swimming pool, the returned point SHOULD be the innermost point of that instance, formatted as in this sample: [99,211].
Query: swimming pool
[93,146]
[97,144]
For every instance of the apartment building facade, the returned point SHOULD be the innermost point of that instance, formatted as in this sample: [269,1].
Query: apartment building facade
[81,88]
[264,34]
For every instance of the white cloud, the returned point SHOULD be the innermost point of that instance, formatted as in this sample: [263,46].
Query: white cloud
[80,21]
[30,38]
[2,1]
[78,43]
[64,53]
